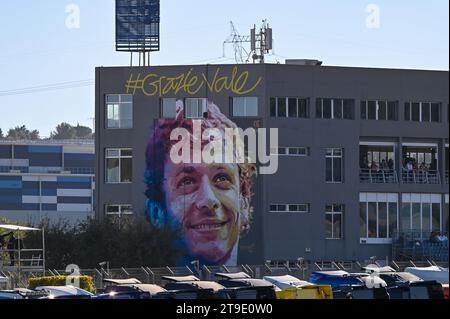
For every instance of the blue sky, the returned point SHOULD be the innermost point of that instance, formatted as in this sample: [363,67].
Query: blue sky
[38,49]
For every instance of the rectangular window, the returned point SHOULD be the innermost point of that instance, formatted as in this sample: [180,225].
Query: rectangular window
[291,107]
[289,208]
[421,213]
[378,216]
[379,110]
[290,151]
[423,112]
[244,106]
[334,221]
[334,165]
[118,210]
[195,108]
[119,166]
[168,108]
[335,108]
[119,111]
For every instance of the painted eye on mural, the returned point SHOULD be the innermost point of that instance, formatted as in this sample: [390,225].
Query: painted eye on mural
[223,180]
[186,181]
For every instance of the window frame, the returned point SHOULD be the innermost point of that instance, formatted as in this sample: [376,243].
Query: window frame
[409,114]
[297,107]
[119,158]
[332,108]
[120,210]
[287,208]
[383,198]
[334,212]
[119,105]
[204,107]
[245,98]
[364,105]
[287,151]
[333,156]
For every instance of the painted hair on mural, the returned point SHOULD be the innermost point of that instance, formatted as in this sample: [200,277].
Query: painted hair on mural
[157,153]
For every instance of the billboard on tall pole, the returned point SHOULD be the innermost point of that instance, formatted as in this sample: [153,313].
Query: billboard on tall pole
[137,25]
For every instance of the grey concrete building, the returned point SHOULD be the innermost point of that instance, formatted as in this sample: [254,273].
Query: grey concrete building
[363,152]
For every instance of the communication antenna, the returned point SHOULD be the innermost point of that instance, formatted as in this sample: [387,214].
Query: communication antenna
[261,42]
[237,40]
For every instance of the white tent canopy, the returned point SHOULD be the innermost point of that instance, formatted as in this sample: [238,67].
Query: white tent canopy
[16,228]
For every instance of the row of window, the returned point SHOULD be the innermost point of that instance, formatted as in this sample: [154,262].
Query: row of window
[119,109]
[119,163]
[379,215]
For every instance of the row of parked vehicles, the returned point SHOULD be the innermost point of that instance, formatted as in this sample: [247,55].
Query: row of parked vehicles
[373,283]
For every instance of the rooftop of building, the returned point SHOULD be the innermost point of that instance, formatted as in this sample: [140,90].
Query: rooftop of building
[47,142]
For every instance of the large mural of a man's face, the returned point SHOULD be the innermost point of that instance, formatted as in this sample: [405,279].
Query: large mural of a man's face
[209,203]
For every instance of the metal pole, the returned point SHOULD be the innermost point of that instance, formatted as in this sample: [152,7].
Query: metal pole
[43,248]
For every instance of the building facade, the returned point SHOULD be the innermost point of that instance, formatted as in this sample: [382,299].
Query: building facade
[363,153]
[46,179]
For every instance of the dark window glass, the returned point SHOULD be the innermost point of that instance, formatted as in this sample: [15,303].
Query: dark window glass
[273,208]
[337,108]
[362,220]
[382,220]
[273,107]
[329,169]
[363,110]
[392,218]
[292,107]
[408,111]
[392,111]
[328,226]
[372,219]
[435,112]
[125,170]
[302,108]
[436,216]
[349,106]
[415,112]
[382,111]
[337,226]
[425,112]
[319,108]
[327,108]
[406,216]
[372,110]
[337,170]
[281,107]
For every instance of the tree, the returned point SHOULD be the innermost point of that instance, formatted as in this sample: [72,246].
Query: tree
[132,243]
[83,131]
[1,133]
[63,131]
[22,133]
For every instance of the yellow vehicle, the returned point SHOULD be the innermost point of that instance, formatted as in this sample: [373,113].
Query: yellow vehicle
[294,288]
[306,292]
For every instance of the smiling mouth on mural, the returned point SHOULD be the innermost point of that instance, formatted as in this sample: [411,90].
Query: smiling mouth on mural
[208,225]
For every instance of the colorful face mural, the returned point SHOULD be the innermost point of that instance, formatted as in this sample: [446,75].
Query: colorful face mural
[208,202]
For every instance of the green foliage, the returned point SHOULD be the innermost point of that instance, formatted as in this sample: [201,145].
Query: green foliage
[1,133]
[128,243]
[65,131]
[22,133]
[86,282]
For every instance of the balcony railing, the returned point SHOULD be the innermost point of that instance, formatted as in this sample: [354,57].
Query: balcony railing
[421,177]
[47,170]
[375,176]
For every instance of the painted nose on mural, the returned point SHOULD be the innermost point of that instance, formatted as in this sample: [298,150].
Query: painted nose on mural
[206,198]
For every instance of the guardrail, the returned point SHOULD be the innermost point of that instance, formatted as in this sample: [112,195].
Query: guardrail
[382,176]
[421,177]
[49,170]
